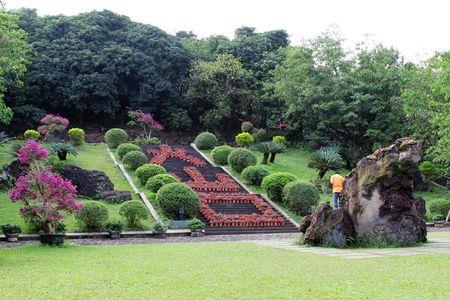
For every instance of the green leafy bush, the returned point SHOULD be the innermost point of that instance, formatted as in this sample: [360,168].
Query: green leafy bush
[114,226]
[206,141]
[158,181]
[260,135]
[62,150]
[254,175]
[76,136]
[93,216]
[133,211]
[440,206]
[246,126]
[431,171]
[125,148]
[134,159]
[279,139]
[239,159]
[144,172]
[10,229]
[196,224]
[143,141]
[115,136]
[220,154]
[173,196]
[274,184]
[31,134]
[159,227]
[244,139]
[300,195]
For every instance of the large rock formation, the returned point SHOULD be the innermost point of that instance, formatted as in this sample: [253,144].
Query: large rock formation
[378,199]
[93,184]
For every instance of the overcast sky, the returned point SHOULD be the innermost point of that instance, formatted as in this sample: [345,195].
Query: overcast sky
[416,28]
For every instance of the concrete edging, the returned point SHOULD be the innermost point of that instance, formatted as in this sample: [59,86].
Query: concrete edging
[141,195]
[281,211]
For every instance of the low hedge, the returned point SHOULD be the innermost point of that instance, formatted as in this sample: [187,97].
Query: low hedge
[146,171]
[158,181]
[76,136]
[133,212]
[206,141]
[254,175]
[134,159]
[125,148]
[239,159]
[115,136]
[300,195]
[220,154]
[31,134]
[275,183]
[93,216]
[173,196]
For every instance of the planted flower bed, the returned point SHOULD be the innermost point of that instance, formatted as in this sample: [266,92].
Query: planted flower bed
[224,202]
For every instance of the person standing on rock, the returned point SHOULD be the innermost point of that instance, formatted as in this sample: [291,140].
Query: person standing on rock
[337,181]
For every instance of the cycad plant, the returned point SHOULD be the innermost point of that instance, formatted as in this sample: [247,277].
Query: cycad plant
[276,148]
[325,159]
[62,149]
[265,148]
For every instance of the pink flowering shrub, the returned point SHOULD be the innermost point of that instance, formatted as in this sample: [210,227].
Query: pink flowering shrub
[51,123]
[31,152]
[46,196]
[144,121]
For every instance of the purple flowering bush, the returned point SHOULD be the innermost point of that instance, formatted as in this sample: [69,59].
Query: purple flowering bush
[47,197]
[51,123]
[144,121]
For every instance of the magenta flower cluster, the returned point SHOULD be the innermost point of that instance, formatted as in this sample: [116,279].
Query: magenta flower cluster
[45,196]
[31,152]
[147,119]
[51,123]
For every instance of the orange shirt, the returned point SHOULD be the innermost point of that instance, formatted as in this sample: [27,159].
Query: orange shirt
[337,182]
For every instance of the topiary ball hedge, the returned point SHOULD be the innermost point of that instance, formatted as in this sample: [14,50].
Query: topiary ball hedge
[206,141]
[254,175]
[134,159]
[173,196]
[246,126]
[158,181]
[220,154]
[440,206]
[239,159]
[300,195]
[147,171]
[125,148]
[133,211]
[93,216]
[274,184]
[115,136]
[244,139]
[31,134]
[76,136]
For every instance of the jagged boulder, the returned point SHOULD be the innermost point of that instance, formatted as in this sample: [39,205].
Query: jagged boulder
[378,200]
[116,196]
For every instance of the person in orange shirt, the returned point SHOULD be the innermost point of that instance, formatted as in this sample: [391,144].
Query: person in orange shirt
[337,181]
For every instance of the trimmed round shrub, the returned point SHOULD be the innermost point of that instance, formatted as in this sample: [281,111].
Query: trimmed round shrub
[246,126]
[275,183]
[220,154]
[147,171]
[92,216]
[440,206]
[133,212]
[158,181]
[206,141]
[115,136]
[134,159]
[31,134]
[254,175]
[300,195]
[76,136]
[173,196]
[260,135]
[125,148]
[279,139]
[239,159]
[244,139]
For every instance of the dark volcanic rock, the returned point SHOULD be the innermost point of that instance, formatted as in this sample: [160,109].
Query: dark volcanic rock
[90,184]
[116,196]
[15,169]
[377,200]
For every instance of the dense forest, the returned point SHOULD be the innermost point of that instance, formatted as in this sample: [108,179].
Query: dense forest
[93,67]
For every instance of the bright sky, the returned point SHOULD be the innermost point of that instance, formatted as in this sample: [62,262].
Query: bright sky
[417,28]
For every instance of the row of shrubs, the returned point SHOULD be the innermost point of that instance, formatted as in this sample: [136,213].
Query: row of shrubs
[117,136]
[76,135]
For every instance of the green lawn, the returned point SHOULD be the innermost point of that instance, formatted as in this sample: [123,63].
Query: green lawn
[231,270]
[91,157]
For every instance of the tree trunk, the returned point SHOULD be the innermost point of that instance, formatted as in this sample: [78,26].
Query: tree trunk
[322,173]
[265,158]
[62,155]
[272,157]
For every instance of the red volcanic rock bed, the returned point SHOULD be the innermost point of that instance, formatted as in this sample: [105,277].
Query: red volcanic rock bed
[224,202]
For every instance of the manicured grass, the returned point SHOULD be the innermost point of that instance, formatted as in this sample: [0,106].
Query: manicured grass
[91,157]
[230,270]
[440,234]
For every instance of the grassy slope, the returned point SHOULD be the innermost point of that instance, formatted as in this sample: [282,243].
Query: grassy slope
[230,270]
[295,161]
[91,157]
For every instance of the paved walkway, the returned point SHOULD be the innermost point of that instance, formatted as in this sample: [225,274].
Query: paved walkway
[434,246]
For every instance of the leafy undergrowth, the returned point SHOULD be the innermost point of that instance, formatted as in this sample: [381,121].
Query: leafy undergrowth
[231,270]
[91,157]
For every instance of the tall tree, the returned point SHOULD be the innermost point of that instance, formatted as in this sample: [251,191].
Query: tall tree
[13,59]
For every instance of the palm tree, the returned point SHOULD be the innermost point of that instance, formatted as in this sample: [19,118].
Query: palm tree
[325,159]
